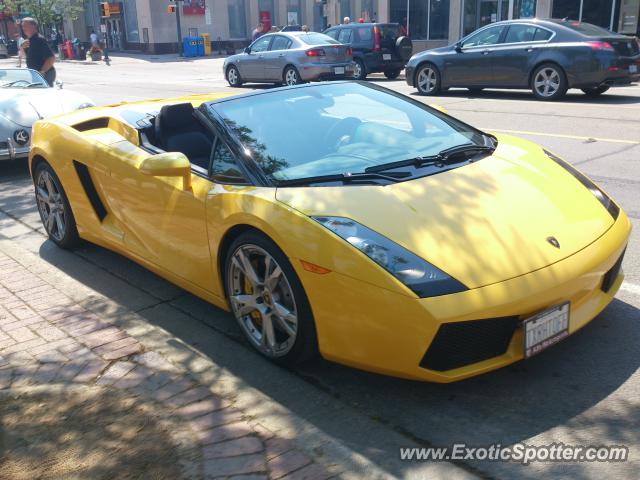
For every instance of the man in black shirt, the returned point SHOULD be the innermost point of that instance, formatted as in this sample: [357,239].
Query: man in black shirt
[39,54]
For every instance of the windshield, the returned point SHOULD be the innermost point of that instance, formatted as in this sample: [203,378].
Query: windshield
[338,128]
[317,39]
[21,78]
[584,28]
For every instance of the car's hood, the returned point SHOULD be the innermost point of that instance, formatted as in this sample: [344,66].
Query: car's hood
[481,223]
[24,106]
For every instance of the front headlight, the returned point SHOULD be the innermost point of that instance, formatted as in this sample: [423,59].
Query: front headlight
[602,197]
[421,277]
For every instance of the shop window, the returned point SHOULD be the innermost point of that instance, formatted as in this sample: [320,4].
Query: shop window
[237,18]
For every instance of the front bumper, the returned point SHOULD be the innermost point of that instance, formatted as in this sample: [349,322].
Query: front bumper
[367,327]
[409,71]
[321,71]
[9,151]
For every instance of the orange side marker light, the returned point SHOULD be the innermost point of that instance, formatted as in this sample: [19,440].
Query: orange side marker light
[313,268]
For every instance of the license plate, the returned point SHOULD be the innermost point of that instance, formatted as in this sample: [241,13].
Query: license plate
[339,70]
[633,68]
[545,329]
[386,56]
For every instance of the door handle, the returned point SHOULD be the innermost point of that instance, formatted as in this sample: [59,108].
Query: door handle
[528,49]
[485,52]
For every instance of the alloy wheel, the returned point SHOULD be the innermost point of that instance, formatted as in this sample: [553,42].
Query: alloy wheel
[291,77]
[427,80]
[262,300]
[547,82]
[51,205]
[232,76]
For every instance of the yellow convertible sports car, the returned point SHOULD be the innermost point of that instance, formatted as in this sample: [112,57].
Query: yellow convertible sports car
[342,219]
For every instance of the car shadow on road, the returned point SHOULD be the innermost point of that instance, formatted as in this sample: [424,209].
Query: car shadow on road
[555,390]
[573,96]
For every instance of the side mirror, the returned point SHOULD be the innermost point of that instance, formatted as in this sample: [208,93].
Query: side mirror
[247,50]
[458,47]
[169,164]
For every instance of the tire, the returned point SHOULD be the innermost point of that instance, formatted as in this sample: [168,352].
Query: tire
[252,301]
[233,76]
[404,48]
[427,80]
[556,82]
[595,91]
[391,74]
[290,76]
[54,208]
[359,70]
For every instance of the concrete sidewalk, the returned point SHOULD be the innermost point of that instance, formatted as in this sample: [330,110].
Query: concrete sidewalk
[51,344]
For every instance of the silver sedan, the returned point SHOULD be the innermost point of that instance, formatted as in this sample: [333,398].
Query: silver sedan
[290,58]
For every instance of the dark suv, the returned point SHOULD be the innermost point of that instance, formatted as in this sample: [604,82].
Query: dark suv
[377,47]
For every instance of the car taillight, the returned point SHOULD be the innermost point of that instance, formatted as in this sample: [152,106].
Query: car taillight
[349,52]
[376,38]
[600,46]
[316,52]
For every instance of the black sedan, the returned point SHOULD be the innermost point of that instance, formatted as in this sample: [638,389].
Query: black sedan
[547,56]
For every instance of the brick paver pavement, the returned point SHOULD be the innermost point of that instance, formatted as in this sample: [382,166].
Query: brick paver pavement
[48,339]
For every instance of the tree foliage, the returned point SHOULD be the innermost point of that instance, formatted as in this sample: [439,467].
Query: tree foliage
[46,12]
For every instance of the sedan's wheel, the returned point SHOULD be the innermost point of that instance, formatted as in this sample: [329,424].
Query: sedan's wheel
[549,82]
[428,80]
[54,207]
[233,76]
[392,74]
[268,300]
[291,76]
[594,92]
[359,70]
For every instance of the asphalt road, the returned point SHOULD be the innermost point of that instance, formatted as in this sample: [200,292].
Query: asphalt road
[584,391]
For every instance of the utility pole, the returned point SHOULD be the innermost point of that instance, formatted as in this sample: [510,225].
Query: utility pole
[179,29]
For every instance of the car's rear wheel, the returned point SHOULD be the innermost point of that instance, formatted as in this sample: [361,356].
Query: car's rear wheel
[233,76]
[291,76]
[595,91]
[392,74]
[54,208]
[549,82]
[268,300]
[359,70]
[428,80]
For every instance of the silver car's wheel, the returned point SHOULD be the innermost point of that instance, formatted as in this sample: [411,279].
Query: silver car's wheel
[548,82]
[262,300]
[291,76]
[359,70]
[54,208]
[428,80]
[233,77]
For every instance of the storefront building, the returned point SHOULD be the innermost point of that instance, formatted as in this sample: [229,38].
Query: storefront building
[147,25]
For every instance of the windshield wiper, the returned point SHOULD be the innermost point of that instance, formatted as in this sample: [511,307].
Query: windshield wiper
[343,177]
[447,156]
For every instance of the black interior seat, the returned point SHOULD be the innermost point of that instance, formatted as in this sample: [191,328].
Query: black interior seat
[178,130]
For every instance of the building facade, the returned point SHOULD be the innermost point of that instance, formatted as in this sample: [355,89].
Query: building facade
[147,25]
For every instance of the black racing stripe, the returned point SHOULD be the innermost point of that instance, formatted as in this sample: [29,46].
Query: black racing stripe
[90,189]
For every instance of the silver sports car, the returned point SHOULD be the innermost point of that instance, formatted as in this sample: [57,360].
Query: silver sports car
[25,96]
[290,58]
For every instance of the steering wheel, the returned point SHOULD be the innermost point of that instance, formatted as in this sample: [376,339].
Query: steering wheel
[340,133]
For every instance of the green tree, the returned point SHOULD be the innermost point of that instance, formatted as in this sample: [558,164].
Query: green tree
[46,12]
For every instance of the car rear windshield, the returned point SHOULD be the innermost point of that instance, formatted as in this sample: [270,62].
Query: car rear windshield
[337,128]
[317,39]
[585,28]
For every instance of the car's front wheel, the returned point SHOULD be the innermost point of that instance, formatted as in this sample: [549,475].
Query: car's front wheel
[359,70]
[54,208]
[268,300]
[595,91]
[549,82]
[428,80]
[233,76]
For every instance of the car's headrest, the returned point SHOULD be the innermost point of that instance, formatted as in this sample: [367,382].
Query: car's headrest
[176,116]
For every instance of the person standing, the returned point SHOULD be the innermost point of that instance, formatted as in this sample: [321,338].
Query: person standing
[38,53]
[257,33]
[94,39]
[346,20]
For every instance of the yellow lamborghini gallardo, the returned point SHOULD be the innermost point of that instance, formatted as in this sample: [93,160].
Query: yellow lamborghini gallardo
[342,219]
